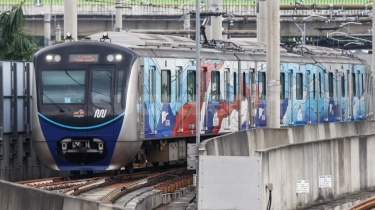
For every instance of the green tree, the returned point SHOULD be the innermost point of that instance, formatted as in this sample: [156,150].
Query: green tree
[15,43]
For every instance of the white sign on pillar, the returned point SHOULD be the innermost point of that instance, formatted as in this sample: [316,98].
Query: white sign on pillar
[302,186]
[325,181]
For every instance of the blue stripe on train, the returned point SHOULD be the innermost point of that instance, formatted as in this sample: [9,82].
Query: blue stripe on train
[80,128]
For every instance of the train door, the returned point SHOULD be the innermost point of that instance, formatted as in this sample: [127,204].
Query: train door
[357,91]
[290,96]
[330,116]
[153,102]
[312,96]
[354,95]
[179,98]
[227,97]
[261,109]
[252,98]
[309,91]
[299,106]
[342,92]
[214,102]
[166,112]
[321,107]
[337,95]
[349,77]
[204,103]
[100,105]
[283,98]
[361,85]
[245,99]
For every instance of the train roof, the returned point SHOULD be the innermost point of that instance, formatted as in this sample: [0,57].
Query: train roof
[167,46]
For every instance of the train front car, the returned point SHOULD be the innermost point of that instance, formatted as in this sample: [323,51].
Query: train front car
[85,112]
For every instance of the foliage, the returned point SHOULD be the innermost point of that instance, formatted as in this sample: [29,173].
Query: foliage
[15,43]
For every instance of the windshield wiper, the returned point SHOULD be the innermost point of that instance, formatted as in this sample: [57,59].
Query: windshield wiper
[54,103]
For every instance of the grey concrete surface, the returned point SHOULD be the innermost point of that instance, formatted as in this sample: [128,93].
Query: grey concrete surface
[342,150]
[15,196]
[182,203]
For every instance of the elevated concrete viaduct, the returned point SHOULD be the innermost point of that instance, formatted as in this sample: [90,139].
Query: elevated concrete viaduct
[242,26]
[156,19]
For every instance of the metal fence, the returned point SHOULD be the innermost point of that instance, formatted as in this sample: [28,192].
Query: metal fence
[180,2]
[155,7]
[17,158]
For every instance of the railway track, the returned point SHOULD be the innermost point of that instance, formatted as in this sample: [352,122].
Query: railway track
[365,205]
[117,189]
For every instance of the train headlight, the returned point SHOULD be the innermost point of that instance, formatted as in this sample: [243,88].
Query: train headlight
[118,57]
[110,58]
[49,58]
[57,58]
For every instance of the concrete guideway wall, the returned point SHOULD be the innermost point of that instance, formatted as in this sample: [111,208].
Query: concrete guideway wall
[342,150]
[15,196]
[348,161]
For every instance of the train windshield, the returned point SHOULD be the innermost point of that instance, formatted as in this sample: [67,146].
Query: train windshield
[63,87]
[101,86]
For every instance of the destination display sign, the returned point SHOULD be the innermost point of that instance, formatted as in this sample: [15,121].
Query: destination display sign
[83,58]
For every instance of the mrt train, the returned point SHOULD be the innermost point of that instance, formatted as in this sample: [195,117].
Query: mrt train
[109,100]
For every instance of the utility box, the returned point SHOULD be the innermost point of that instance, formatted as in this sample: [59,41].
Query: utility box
[167,151]
[192,161]
[230,182]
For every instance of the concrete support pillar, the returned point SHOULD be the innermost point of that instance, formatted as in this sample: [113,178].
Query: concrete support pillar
[47,29]
[373,59]
[58,33]
[208,29]
[261,21]
[118,23]
[187,25]
[257,12]
[273,63]
[70,18]
[217,21]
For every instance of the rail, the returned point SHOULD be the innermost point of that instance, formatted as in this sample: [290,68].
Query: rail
[366,205]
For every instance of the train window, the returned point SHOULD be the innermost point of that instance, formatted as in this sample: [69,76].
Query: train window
[215,86]
[330,84]
[235,84]
[191,86]
[101,86]
[342,86]
[363,85]
[299,86]
[178,82]
[282,86]
[120,78]
[262,85]
[63,87]
[244,85]
[165,86]
[354,85]
[152,83]
[227,84]
[320,85]
[314,86]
